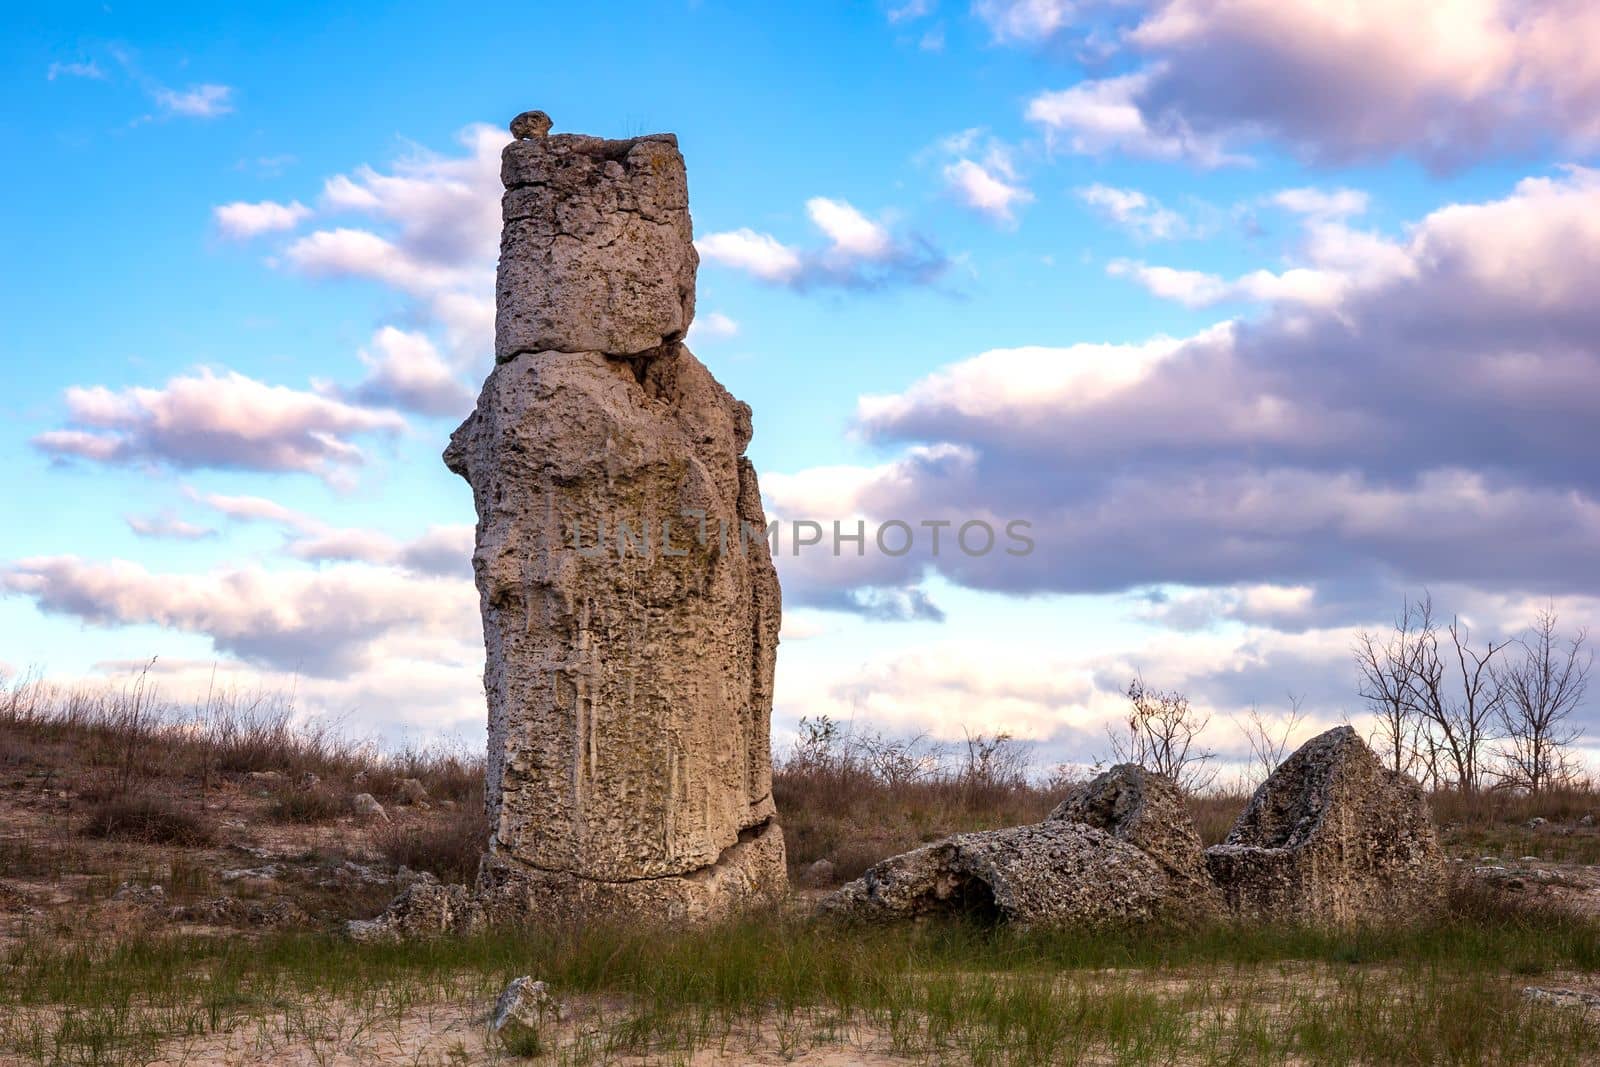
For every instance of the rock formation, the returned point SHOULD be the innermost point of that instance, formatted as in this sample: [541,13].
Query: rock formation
[630,606]
[1146,810]
[1331,837]
[1049,874]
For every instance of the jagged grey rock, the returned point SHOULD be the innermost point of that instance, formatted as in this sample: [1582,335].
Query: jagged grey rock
[597,252]
[423,909]
[1331,836]
[524,1006]
[1051,874]
[629,669]
[1146,810]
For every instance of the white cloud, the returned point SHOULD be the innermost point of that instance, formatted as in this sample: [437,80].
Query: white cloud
[1447,82]
[241,219]
[405,371]
[320,622]
[207,101]
[986,192]
[226,421]
[861,252]
[1025,20]
[1141,215]
[712,326]
[1322,203]
[1101,116]
[90,70]
[758,254]
[168,527]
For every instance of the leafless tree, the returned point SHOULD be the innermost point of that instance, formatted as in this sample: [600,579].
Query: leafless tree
[1540,689]
[1386,665]
[1454,691]
[1163,736]
[1269,737]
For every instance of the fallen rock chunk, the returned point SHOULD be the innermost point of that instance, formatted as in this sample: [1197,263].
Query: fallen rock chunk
[366,805]
[1331,836]
[423,909]
[140,895]
[817,875]
[1566,998]
[411,791]
[1052,874]
[1146,810]
[525,1004]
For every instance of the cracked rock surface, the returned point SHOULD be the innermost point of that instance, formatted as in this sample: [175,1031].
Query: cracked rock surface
[630,631]
[1331,836]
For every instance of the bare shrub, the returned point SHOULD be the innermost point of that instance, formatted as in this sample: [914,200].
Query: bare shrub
[317,804]
[447,846]
[1269,737]
[1540,689]
[148,820]
[1163,736]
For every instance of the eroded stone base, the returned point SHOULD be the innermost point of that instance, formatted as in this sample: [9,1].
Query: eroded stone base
[748,874]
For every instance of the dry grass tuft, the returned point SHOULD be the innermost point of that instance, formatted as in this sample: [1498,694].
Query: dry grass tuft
[148,820]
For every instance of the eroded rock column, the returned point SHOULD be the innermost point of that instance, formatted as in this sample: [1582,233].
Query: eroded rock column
[630,629]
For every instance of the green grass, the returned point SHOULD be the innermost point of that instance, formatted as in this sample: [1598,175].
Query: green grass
[1445,992]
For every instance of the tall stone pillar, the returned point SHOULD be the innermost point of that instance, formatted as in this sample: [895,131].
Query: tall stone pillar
[630,606]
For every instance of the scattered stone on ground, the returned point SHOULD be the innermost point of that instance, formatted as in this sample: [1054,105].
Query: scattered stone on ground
[1566,998]
[366,805]
[524,1007]
[817,874]
[411,791]
[1051,874]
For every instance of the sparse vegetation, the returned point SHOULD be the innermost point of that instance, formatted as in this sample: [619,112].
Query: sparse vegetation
[77,990]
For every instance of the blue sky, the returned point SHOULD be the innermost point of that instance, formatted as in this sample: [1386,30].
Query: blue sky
[1265,317]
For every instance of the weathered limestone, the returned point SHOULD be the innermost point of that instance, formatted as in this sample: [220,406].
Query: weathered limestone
[597,253]
[1049,874]
[631,632]
[1146,810]
[1331,837]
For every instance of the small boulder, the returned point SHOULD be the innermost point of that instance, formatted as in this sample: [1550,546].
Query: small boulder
[266,779]
[521,1012]
[308,780]
[817,875]
[1050,874]
[1146,810]
[1536,822]
[1331,836]
[411,791]
[140,895]
[423,909]
[367,807]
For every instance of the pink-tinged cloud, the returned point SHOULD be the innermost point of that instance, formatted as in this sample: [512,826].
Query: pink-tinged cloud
[1448,82]
[210,420]
[320,622]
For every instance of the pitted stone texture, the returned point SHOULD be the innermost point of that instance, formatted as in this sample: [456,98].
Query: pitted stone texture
[1146,810]
[1331,837]
[1050,874]
[597,251]
[749,874]
[629,698]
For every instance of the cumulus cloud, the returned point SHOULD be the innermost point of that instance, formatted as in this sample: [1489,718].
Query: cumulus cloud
[224,421]
[991,190]
[1428,425]
[712,326]
[1139,214]
[432,233]
[1094,117]
[1340,83]
[241,219]
[319,622]
[405,371]
[861,253]
[1322,203]
[206,101]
